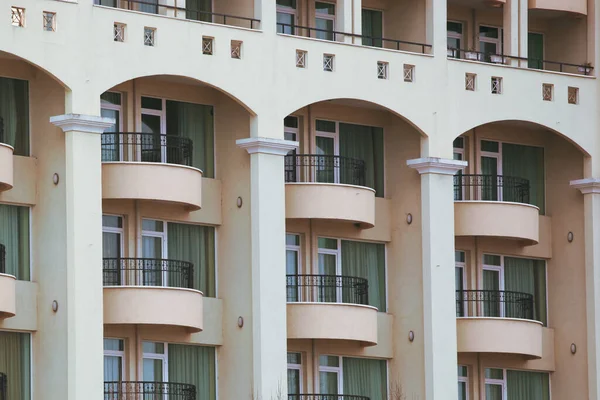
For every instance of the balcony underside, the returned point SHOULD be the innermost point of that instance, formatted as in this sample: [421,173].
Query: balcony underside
[506,220]
[332,321]
[500,336]
[8,296]
[165,183]
[571,6]
[6,167]
[330,201]
[152,305]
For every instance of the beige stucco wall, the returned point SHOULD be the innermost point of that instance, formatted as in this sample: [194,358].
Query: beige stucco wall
[7,296]
[6,167]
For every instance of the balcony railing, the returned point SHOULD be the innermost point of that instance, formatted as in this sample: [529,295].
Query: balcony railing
[334,36]
[153,7]
[494,303]
[326,397]
[324,169]
[327,289]
[2,259]
[146,147]
[535,63]
[3,386]
[491,188]
[149,391]
[147,272]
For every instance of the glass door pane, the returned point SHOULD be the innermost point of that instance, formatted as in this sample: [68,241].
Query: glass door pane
[493,392]
[462,391]
[458,280]
[152,249]
[372,28]
[325,165]
[291,268]
[293,378]
[491,284]
[287,23]
[535,50]
[153,373]
[112,369]
[328,292]
[489,183]
[150,7]
[150,142]
[328,383]
[110,143]
[325,17]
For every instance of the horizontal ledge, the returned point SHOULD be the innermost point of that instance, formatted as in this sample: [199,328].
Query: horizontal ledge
[496,202]
[152,164]
[332,185]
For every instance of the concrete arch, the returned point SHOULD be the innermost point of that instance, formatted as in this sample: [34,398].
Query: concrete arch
[37,64]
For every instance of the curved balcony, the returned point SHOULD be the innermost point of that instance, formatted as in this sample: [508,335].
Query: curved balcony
[8,299]
[496,321]
[326,397]
[148,291]
[330,307]
[495,206]
[150,167]
[328,187]
[149,391]
[6,165]
[560,6]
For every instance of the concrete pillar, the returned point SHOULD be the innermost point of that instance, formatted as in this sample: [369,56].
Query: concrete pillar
[439,311]
[511,30]
[344,19]
[267,214]
[82,312]
[591,196]
[437,18]
[357,20]
[523,31]
[266,12]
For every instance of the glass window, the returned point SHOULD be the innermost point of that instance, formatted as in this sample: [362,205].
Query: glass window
[114,354]
[525,162]
[490,41]
[14,241]
[292,240]
[495,384]
[330,375]
[112,250]
[286,16]
[193,8]
[535,50]
[15,364]
[291,122]
[329,361]
[526,385]
[294,373]
[326,243]
[364,260]
[152,225]
[488,32]
[459,143]
[489,146]
[454,38]
[152,103]
[526,276]
[489,259]
[459,283]
[463,383]
[325,20]
[112,221]
[292,267]
[14,115]
[193,365]
[372,27]
[110,107]
[365,377]
[325,126]
[153,347]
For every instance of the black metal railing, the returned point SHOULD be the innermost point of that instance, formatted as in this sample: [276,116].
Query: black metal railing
[3,386]
[371,41]
[324,169]
[533,63]
[326,397]
[494,303]
[491,188]
[327,289]
[180,12]
[147,272]
[2,259]
[149,391]
[146,147]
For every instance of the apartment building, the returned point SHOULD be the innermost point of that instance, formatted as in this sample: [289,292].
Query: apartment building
[311,200]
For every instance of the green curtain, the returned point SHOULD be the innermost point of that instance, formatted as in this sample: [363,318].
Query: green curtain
[194,365]
[364,143]
[365,377]
[527,276]
[193,6]
[14,114]
[522,385]
[535,50]
[489,185]
[491,281]
[493,392]
[195,244]
[14,235]
[366,260]
[526,162]
[325,171]
[327,292]
[196,122]
[15,359]
[372,26]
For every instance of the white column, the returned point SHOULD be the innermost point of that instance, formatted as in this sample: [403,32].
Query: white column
[439,313]
[437,18]
[267,213]
[511,30]
[357,20]
[591,198]
[266,12]
[344,19]
[82,182]
[523,31]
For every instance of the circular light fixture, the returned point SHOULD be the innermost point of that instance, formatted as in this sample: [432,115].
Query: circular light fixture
[240,322]
[54,305]
[409,219]
[239,202]
[573,348]
[55,179]
[411,334]
[570,237]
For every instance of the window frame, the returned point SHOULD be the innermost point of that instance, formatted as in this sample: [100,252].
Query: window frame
[497,382]
[290,11]
[162,114]
[329,17]
[338,264]
[499,42]
[156,356]
[463,266]
[338,370]
[164,246]
[298,367]
[465,380]
[116,353]
[454,35]
[382,22]
[295,132]
[490,154]
[336,146]
[500,270]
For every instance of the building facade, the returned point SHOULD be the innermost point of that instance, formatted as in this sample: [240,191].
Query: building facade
[311,200]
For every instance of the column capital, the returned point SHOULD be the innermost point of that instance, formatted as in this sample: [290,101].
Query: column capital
[82,123]
[278,147]
[434,165]
[587,185]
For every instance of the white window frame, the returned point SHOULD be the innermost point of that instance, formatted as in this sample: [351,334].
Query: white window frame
[489,154]
[156,356]
[117,353]
[121,232]
[290,11]
[163,124]
[116,107]
[463,266]
[296,249]
[465,380]
[329,17]
[497,42]
[497,382]
[295,132]
[338,263]
[459,36]
[163,236]
[461,152]
[500,270]
[338,370]
[382,20]
[336,145]
[298,367]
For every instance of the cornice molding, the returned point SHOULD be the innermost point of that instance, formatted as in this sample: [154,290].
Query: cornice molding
[278,147]
[434,165]
[82,123]
[587,185]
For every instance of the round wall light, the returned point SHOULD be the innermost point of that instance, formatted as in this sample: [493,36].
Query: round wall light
[240,322]
[239,202]
[411,336]
[409,219]
[570,237]
[573,348]
[54,305]
[55,179]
